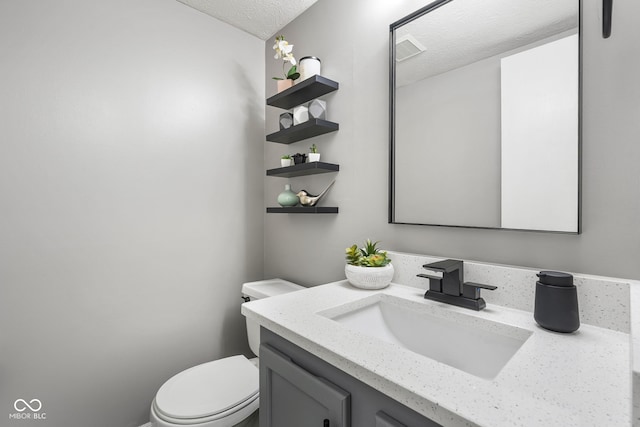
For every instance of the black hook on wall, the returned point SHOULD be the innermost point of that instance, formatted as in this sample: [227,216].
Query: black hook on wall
[607,12]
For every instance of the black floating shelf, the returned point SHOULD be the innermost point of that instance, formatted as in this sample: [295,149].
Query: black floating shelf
[308,129]
[308,89]
[305,210]
[303,169]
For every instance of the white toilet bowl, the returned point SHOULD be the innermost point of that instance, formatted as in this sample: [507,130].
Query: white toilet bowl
[221,393]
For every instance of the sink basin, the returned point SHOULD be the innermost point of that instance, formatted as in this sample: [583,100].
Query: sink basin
[472,344]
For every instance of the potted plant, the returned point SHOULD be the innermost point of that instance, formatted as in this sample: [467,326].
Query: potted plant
[285,160]
[284,51]
[299,158]
[314,156]
[368,267]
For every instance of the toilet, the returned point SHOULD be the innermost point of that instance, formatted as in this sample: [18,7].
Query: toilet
[222,393]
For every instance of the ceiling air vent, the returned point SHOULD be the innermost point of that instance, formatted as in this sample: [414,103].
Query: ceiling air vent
[407,46]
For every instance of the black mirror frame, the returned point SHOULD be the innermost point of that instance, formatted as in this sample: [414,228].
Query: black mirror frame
[392,123]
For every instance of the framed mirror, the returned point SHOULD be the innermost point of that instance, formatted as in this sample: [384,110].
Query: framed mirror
[485,115]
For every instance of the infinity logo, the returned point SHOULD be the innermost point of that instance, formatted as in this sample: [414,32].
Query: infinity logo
[21,405]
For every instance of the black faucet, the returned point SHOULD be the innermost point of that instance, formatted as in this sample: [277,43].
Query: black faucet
[451,287]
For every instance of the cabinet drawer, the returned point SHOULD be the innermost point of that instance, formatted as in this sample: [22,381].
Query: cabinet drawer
[384,420]
[290,396]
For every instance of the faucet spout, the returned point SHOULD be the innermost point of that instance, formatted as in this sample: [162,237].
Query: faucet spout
[452,275]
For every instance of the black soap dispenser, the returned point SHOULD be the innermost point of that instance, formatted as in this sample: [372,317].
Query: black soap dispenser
[556,306]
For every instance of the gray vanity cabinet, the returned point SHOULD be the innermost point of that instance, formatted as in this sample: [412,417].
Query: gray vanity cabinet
[384,420]
[299,389]
[290,396]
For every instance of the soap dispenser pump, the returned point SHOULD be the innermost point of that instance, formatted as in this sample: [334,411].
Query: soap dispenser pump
[556,304]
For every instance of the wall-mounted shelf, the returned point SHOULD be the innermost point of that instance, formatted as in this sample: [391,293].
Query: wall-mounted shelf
[305,210]
[303,169]
[306,90]
[308,129]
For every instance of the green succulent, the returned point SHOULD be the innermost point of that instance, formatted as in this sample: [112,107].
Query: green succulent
[367,256]
[353,255]
[377,260]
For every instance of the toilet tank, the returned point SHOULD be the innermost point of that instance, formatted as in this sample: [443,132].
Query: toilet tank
[263,289]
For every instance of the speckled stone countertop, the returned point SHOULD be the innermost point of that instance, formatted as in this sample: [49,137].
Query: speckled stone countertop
[581,379]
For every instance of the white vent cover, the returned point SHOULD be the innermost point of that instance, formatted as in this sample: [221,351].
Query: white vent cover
[407,46]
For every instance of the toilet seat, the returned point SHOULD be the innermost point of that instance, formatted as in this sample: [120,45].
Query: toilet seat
[211,391]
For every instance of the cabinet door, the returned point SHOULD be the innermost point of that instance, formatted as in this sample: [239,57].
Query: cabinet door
[290,396]
[384,420]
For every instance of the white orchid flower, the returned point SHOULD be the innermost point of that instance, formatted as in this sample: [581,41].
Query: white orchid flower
[282,47]
[278,52]
[285,47]
[289,57]
[284,51]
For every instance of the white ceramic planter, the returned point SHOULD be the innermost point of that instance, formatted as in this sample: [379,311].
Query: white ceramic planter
[313,157]
[285,162]
[369,277]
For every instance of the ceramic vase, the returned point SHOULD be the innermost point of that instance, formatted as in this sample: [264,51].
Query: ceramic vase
[287,198]
[314,157]
[284,84]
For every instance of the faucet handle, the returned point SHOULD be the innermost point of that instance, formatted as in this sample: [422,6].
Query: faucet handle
[429,276]
[472,289]
[435,282]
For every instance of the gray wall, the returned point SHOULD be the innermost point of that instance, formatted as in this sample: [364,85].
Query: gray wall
[130,201]
[352,40]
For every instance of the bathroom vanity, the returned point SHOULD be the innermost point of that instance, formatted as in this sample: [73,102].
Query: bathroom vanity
[299,389]
[328,344]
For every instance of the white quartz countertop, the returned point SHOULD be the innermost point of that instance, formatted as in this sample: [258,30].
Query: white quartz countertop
[581,379]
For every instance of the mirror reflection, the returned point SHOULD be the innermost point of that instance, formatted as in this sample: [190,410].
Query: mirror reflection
[485,115]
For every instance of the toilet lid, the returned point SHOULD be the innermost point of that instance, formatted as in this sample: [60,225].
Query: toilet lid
[208,389]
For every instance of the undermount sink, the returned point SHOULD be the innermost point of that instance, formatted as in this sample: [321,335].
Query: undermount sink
[472,344]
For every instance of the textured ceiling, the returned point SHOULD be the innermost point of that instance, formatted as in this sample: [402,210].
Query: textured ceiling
[262,18]
[465,31]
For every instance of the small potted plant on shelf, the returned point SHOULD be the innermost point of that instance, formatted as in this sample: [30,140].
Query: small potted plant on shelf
[299,158]
[368,267]
[284,51]
[314,156]
[285,160]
